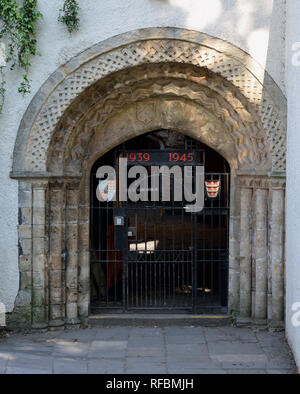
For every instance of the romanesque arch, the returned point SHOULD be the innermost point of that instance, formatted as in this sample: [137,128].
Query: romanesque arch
[124,87]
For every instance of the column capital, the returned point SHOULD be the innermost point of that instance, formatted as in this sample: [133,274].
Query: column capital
[253,181]
[277,182]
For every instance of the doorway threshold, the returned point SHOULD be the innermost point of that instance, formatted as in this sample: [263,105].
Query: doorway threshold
[158,320]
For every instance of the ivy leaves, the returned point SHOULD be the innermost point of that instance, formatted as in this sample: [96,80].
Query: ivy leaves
[18,28]
[69,15]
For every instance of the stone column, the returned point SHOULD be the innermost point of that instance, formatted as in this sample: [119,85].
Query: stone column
[72,253]
[56,256]
[234,247]
[84,251]
[261,256]
[246,253]
[39,303]
[22,314]
[277,253]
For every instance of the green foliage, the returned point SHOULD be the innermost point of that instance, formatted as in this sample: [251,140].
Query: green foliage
[234,315]
[2,88]
[17,28]
[18,23]
[69,15]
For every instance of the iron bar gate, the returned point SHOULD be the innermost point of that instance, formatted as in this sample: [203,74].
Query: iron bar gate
[154,256]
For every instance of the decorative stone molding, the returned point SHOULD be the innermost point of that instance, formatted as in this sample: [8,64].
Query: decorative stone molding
[254,182]
[219,98]
[149,46]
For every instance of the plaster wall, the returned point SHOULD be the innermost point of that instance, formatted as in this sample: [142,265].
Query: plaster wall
[293,183]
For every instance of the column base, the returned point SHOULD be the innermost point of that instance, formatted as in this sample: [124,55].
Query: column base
[260,323]
[56,324]
[277,325]
[73,323]
[243,321]
[39,326]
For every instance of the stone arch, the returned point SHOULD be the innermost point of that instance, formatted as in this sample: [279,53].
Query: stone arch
[218,98]
[126,86]
[148,46]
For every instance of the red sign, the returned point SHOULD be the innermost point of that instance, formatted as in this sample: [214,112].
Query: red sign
[160,157]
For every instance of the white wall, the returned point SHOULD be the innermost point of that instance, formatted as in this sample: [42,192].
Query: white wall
[293,177]
[254,25]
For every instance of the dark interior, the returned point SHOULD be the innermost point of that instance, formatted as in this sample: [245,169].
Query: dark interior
[164,259]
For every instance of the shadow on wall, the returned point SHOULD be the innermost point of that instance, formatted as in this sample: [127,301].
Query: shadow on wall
[258,30]
[276,52]
[276,68]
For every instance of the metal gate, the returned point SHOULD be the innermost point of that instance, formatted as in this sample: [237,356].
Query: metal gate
[154,255]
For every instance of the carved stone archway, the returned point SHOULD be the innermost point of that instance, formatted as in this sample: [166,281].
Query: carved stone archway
[124,87]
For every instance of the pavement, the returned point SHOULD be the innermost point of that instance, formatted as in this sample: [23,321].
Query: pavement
[147,350]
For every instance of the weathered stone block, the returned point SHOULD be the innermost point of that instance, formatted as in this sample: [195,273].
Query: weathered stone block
[55,278]
[83,232]
[56,312]
[25,280]
[25,247]
[83,213]
[39,319]
[72,310]
[38,297]
[25,198]
[39,216]
[56,296]
[25,232]
[25,264]
[72,295]
[71,277]
[72,198]
[38,231]
[25,216]
[71,215]
[21,317]
[23,298]
[38,279]
[55,262]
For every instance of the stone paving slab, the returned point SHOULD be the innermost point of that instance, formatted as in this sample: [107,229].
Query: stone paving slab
[107,354]
[26,371]
[180,355]
[106,366]
[146,350]
[69,366]
[185,340]
[236,347]
[3,364]
[195,371]
[229,334]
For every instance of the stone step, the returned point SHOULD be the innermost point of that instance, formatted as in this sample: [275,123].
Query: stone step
[159,320]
